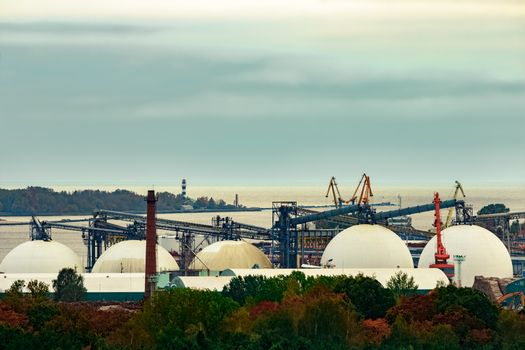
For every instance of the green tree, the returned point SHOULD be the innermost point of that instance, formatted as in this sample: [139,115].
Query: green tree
[402,285]
[252,289]
[184,319]
[493,209]
[473,301]
[41,312]
[14,338]
[38,289]
[16,290]
[515,227]
[201,202]
[511,327]
[69,286]
[14,296]
[369,297]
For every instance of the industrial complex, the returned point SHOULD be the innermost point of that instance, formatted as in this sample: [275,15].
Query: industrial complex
[126,260]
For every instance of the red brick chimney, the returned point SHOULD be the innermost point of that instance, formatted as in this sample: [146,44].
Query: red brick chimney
[151,246]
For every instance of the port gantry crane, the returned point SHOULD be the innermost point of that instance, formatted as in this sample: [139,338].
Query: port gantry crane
[364,188]
[458,189]
[332,187]
[286,219]
[441,256]
[365,193]
[288,225]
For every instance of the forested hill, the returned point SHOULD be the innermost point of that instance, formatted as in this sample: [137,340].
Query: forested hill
[40,201]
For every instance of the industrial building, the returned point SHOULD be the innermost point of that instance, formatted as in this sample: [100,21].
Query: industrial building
[40,256]
[223,255]
[364,241]
[358,247]
[129,257]
[484,253]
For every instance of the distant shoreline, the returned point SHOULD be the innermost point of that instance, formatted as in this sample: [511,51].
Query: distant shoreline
[225,210]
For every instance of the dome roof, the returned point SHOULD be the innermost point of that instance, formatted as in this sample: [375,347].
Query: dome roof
[367,246]
[40,257]
[224,255]
[485,254]
[129,256]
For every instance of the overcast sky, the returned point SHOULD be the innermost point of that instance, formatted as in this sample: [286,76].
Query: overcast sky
[261,92]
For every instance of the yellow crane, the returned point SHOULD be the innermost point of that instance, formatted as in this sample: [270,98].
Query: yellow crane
[364,190]
[332,187]
[458,189]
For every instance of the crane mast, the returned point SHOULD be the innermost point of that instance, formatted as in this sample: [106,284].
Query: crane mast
[441,256]
[332,187]
[365,191]
[451,210]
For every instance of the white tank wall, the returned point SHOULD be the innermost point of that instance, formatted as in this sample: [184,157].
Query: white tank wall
[94,282]
[230,254]
[367,246]
[201,282]
[426,279]
[40,257]
[485,253]
[129,257]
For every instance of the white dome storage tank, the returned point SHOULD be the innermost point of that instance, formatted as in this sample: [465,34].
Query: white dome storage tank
[367,246]
[224,255]
[129,256]
[485,254]
[40,257]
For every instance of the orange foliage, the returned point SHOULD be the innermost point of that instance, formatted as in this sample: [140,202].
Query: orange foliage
[413,309]
[375,331]
[263,307]
[479,336]
[10,317]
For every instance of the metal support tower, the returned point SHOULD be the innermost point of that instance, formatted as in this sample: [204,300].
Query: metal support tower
[464,214]
[285,233]
[39,232]
[186,250]
[459,259]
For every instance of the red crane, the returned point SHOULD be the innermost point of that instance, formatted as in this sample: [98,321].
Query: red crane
[441,256]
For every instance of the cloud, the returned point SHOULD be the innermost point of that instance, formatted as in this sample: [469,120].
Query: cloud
[155,9]
[126,84]
[73,28]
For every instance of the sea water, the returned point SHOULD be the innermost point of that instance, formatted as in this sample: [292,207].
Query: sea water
[512,196]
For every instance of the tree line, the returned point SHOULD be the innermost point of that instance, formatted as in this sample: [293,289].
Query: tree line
[284,312]
[41,201]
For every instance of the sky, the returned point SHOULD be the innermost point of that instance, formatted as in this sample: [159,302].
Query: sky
[261,93]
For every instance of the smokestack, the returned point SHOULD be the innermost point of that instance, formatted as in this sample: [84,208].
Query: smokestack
[151,246]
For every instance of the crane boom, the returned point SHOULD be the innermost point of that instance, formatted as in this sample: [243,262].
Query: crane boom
[377,216]
[451,210]
[364,189]
[332,187]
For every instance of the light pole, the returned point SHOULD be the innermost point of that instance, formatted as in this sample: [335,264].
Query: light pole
[459,259]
